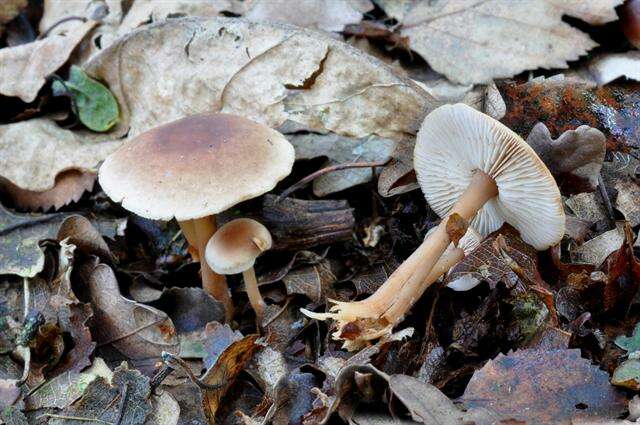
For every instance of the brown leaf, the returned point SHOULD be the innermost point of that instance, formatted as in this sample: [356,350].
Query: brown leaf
[501,257]
[560,104]
[543,387]
[80,232]
[327,15]
[313,281]
[575,158]
[136,330]
[69,187]
[460,40]
[627,199]
[218,337]
[425,402]
[26,66]
[456,228]
[34,152]
[9,9]
[224,372]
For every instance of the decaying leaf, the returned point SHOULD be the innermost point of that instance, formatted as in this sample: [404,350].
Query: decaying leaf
[124,399]
[501,257]
[328,15]
[96,107]
[339,150]
[575,158]
[474,42]
[314,281]
[627,199]
[543,387]
[561,103]
[21,234]
[218,338]
[588,207]
[271,73]
[136,330]
[608,68]
[425,402]
[630,343]
[67,387]
[69,187]
[596,250]
[190,309]
[267,367]
[224,372]
[34,152]
[25,67]
[147,11]
[627,375]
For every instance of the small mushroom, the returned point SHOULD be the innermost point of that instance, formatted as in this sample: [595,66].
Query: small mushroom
[233,249]
[194,168]
[473,168]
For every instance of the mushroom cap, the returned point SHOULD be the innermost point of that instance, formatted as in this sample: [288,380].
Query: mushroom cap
[196,166]
[236,245]
[456,140]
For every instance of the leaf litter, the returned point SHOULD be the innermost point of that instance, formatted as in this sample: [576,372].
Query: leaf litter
[102,314]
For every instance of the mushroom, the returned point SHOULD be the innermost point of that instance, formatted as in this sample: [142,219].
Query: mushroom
[362,330]
[630,21]
[233,249]
[470,167]
[194,168]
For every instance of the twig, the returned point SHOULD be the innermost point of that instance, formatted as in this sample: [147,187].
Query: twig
[160,376]
[605,197]
[173,361]
[61,21]
[327,170]
[74,418]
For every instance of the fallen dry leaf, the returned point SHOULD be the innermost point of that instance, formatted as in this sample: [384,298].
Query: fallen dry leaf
[69,187]
[136,330]
[588,207]
[575,158]
[627,199]
[21,234]
[149,11]
[475,42]
[271,74]
[232,360]
[543,387]
[25,67]
[596,250]
[34,152]
[610,67]
[328,15]
[501,257]
[124,399]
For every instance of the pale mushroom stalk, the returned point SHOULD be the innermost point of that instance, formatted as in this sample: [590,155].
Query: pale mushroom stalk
[255,299]
[198,232]
[419,264]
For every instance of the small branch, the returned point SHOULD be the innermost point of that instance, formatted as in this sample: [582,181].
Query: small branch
[605,197]
[61,21]
[174,361]
[327,170]
[74,418]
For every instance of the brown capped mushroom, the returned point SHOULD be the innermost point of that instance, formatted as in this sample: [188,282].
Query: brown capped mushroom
[471,167]
[234,248]
[194,168]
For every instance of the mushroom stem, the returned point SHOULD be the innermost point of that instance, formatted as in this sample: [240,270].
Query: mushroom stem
[413,290]
[416,273]
[255,299]
[198,232]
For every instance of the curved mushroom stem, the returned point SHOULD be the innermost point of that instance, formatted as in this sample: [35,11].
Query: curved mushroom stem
[377,313]
[253,292]
[198,232]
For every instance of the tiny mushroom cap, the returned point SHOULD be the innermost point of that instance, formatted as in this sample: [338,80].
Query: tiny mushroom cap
[196,167]
[455,141]
[236,245]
